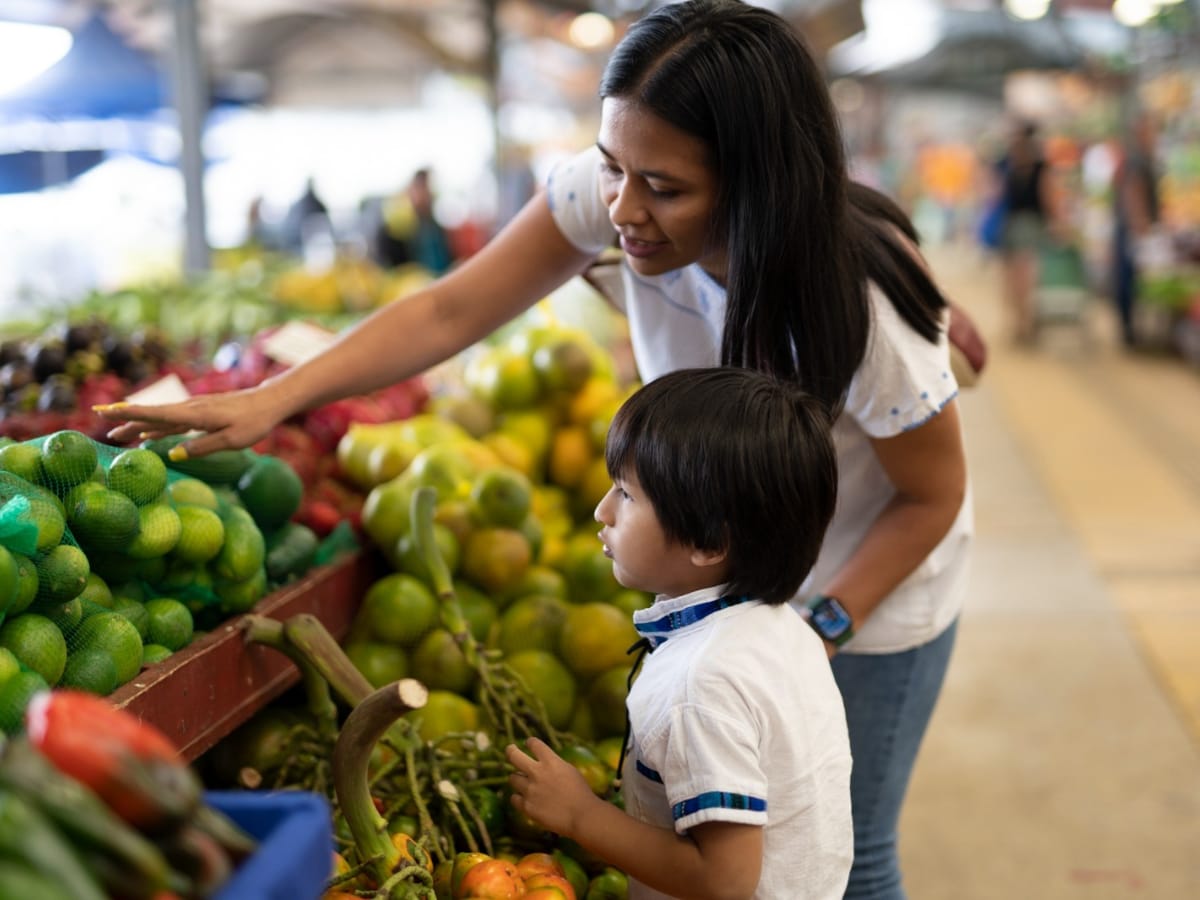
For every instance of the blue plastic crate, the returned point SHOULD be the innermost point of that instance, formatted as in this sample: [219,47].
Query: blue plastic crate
[294,858]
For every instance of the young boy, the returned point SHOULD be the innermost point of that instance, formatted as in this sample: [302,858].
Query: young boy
[737,778]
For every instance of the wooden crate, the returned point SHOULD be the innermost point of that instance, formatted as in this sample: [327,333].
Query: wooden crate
[201,693]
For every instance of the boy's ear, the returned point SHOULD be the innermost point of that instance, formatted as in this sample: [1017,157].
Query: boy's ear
[702,558]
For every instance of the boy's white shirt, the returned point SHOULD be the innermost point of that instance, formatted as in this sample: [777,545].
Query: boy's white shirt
[740,710]
[675,322]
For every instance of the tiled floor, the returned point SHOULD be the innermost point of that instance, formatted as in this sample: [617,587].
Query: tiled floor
[1064,757]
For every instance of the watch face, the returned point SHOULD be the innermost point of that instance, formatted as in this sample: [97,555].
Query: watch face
[830,618]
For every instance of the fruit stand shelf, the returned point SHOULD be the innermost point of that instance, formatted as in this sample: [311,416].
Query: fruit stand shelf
[201,693]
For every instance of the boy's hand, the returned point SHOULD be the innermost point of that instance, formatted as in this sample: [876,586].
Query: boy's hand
[547,788]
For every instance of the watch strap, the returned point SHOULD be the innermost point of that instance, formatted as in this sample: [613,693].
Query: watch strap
[829,619]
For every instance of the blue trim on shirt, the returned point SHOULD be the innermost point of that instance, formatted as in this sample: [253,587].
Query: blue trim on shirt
[658,630]
[717,800]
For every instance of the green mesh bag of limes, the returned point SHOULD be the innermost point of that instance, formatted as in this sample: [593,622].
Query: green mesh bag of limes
[109,561]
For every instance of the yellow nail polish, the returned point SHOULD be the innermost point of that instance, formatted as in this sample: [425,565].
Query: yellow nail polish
[105,407]
[177,454]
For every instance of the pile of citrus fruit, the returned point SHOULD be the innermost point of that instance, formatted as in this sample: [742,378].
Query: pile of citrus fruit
[517,460]
[107,558]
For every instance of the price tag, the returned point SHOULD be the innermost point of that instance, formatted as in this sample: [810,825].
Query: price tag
[168,389]
[295,342]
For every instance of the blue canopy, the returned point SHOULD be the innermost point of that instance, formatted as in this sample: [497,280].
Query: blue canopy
[100,77]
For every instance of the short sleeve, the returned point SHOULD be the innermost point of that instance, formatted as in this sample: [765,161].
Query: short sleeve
[711,770]
[573,192]
[904,380]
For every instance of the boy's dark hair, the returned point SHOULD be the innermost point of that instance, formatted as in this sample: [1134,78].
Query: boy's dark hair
[735,460]
[800,249]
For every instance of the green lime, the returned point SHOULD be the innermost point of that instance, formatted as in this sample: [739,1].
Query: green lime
[240,596]
[90,670]
[37,643]
[68,457]
[399,609]
[9,580]
[104,520]
[96,592]
[22,460]
[171,623]
[135,611]
[477,608]
[117,636]
[62,574]
[72,497]
[47,513]
[15,695]
[64,615]
[139,474]
[154,653]
[159,530]
[192,492]
[201,534]
[27,584]
[9,665]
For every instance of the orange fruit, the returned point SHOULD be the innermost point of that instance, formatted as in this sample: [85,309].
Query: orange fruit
[502,378]
[606,699]
[444,713]
[563,365]
[496,558]
[595,637]
[399,609]
[570,454]
[379,663]
[493,879]
[531,623]
[587,570]
[501,497]
[439,663]
[548,680]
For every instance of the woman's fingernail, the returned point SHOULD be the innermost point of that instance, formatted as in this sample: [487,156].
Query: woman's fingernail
[105,407]
[178,453]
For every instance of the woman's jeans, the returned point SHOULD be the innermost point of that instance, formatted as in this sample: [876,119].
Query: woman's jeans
[889,699]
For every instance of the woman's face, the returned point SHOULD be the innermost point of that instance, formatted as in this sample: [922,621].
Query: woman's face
[660,189]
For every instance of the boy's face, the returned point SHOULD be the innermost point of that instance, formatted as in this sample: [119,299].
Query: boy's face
[643,558]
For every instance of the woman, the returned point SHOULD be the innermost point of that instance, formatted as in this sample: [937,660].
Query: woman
[719,168]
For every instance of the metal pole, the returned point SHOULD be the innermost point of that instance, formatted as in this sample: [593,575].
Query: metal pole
[191,105]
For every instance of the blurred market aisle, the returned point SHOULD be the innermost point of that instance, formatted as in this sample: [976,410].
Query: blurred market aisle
[1064,758]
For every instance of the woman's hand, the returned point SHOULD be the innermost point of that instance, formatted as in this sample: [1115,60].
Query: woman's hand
[229,420]
[547,788]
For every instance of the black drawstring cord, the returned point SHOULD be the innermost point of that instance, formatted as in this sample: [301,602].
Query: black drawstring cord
[641,648]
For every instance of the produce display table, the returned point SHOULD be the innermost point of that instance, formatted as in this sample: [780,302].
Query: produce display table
[201,693]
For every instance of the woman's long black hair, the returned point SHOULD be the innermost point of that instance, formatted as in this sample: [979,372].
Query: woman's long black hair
[801,241]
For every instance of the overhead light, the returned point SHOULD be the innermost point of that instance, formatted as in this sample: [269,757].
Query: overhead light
[1027,9]
[26,51]
[591,31]
[1134,13]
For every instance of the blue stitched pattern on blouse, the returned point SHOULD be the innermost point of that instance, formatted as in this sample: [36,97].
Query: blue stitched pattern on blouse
[717,800]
